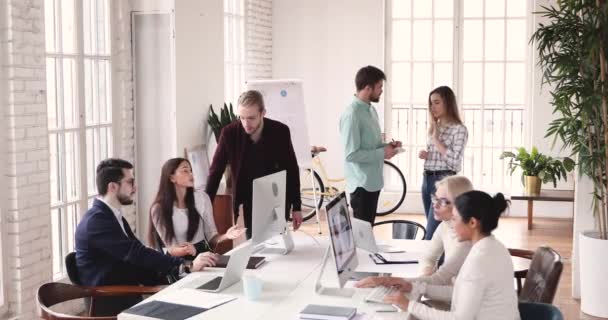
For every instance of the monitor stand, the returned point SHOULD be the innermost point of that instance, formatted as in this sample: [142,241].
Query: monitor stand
[287,243]
[329,291]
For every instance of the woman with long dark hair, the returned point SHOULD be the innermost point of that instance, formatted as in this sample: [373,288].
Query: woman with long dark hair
[444,148]
[181,220]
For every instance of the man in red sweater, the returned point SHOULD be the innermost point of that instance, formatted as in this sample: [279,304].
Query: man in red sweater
[255,146]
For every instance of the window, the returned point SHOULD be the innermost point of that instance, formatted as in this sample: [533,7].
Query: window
[479,49]
[234,49]
[79,111]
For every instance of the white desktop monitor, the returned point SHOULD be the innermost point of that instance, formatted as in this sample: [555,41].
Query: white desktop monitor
[268,210]
[342,239]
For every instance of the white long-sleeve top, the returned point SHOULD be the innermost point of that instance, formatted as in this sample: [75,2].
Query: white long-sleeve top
[206,227]
[483,288]
[444,240]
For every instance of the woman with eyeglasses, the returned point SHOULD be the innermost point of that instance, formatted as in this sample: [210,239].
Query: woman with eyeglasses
[182,219]
[445,240]
[447,138]
[483,288]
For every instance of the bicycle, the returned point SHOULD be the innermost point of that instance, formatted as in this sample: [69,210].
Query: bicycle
[318,188]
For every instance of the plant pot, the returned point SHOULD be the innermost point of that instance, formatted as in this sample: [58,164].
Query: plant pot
[593,266]
[532,185]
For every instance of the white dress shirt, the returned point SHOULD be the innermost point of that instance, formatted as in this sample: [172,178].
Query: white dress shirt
[444,240]
[117,214]
[483,288]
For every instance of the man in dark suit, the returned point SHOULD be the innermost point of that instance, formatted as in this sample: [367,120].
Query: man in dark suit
[107,251]
[255,146]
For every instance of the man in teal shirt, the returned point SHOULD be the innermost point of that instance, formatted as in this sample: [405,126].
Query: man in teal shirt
[364,150]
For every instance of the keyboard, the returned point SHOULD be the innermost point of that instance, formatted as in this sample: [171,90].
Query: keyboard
[377,295]
[212,284]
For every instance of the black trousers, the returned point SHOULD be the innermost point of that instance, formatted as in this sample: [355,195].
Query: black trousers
[364,204]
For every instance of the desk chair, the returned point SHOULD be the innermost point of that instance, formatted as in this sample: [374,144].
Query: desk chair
[404,229]
[50,294]
[106,291]
[541,278]
[539,311]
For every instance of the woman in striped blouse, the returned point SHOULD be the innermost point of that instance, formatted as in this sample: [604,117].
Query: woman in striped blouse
[444,148]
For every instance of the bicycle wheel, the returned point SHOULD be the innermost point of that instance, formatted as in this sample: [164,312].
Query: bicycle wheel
[307,194]
[393,193]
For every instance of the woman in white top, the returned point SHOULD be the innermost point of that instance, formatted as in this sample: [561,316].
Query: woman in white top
[182,218]
[444,148]
[484,286]
[444,240]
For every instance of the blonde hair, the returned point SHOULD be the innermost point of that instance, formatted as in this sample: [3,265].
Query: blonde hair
[455,185]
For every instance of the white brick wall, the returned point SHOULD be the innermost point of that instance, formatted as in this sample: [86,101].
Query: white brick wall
[259,39]
[24,151]
[27,218]
[122,77]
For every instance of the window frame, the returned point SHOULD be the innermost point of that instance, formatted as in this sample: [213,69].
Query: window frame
[81,127]
[458,81]
[233,89]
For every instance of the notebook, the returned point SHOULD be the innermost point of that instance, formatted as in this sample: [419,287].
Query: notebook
[323,312]
[254,262]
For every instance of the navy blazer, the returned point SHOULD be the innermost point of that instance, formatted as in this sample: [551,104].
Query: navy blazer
[106,256]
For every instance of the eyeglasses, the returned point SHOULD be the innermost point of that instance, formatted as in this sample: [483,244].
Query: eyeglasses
[127,181]
[443,202]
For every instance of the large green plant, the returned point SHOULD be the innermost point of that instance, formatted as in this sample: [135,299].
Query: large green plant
[218,123]
[572,49]
[536,164]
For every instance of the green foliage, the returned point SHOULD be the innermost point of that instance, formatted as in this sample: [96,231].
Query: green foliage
[572,47]
[218,123]
[534,163]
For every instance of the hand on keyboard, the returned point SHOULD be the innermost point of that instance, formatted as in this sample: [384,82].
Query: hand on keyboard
[379,293]
[372,282]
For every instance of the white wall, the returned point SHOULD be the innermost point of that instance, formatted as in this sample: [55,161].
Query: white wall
[198,80]
[324,43]
[199,63]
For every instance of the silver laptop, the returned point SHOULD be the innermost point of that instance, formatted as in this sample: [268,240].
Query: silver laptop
[364,238]
[234,270]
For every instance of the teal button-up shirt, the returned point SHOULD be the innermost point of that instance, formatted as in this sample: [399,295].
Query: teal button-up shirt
[363,147]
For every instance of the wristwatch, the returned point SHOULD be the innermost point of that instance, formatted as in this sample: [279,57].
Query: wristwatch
[185,267]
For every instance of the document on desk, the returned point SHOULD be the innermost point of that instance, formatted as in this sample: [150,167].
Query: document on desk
[196,298]
[180,304]
[395,258]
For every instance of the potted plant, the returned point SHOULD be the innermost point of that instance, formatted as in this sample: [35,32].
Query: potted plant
[216,124]
[572,52]
[536,168]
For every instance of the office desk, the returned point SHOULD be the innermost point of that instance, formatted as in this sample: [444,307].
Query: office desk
[288,283]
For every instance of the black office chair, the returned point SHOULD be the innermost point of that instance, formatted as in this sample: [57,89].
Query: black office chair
[539,311]
[70,265]
[404,229]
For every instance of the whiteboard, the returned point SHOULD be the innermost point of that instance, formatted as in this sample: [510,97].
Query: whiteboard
[199,161]
[284,102]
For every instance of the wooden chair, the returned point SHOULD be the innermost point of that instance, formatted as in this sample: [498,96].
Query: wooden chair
[404,229]
[541,278]
[50,294]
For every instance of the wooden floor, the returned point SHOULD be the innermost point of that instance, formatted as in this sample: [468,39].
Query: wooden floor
[512,231]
